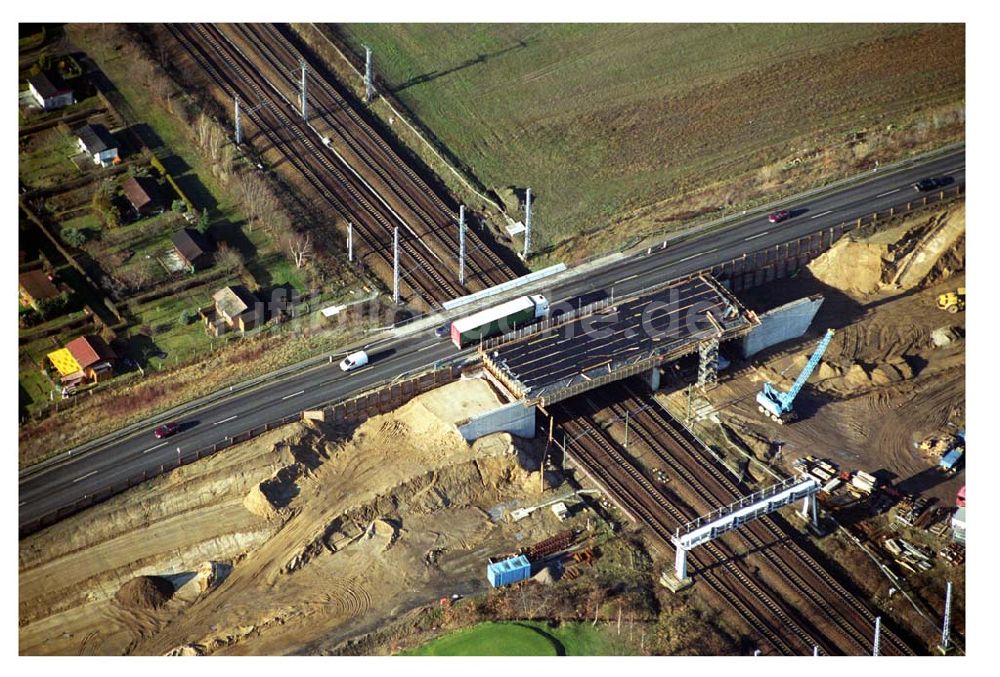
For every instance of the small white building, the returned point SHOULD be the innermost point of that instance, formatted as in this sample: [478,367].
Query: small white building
[958,526]
[48,95]
[97,142]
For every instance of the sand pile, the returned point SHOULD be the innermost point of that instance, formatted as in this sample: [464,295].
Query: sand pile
[187,650]
[144,592]
[921,251]
[854,267]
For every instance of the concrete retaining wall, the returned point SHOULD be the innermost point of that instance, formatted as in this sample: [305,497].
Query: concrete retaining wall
[513,418]
[785,322]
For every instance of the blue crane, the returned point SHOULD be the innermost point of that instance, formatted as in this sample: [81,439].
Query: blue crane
[778,405]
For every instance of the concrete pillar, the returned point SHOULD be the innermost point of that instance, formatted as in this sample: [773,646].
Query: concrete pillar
[654,379]
[680,564]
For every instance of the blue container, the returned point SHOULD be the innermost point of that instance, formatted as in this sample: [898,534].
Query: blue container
[949,460]
[508,571]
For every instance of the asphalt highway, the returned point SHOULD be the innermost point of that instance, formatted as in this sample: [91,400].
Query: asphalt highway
[71,477]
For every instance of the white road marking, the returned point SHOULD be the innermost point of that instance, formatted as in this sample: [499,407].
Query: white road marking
[156,447]
[21,503]
[691,257]
[888,193]
[754,237]
[427,347]
[626,279]
[286,397]
[83,477]
[224,420]
[828,211]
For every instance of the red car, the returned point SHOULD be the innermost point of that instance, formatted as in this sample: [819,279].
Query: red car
[166,430]
[777,217]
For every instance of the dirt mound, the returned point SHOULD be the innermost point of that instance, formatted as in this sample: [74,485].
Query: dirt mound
[548,575]
[269,497]
[144,592]
[919,252]
[187,650]
[211,574]
[257,502]
[851,266]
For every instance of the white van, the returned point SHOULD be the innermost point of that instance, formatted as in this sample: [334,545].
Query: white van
[354,360]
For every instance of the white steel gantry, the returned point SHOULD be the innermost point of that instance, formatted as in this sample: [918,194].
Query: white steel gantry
[946,626]
[730,517]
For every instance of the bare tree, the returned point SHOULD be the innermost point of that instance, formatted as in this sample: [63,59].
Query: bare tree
[229,260]
[252,190]
[299,247]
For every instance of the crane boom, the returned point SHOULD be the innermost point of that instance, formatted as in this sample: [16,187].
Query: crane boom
[807,371]
[778,405]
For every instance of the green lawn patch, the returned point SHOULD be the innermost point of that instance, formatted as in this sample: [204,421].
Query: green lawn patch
[520,638]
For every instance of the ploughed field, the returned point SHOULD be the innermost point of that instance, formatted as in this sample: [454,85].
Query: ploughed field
[641,126]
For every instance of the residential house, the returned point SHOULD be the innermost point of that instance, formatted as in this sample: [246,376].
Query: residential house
[35,286]
[97,142]
[84,358]
[192,249]
[143,194]
[236,308]
[49,95]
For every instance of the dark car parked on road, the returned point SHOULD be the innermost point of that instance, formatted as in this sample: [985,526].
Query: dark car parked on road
[924,185]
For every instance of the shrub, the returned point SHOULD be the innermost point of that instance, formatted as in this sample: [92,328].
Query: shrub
[74,237]
[203,221]
[178,206]
[187,317]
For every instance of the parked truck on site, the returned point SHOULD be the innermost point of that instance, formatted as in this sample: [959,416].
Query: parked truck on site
[499,319]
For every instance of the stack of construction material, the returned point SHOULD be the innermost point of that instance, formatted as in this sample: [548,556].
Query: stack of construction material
[863,482]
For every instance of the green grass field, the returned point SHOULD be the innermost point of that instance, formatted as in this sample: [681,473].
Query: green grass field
[522,638]
[605,120]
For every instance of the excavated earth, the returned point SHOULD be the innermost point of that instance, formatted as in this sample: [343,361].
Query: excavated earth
[895,370]
[305,536]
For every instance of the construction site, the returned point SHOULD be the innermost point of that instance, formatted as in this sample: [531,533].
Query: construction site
[742,432]
[311,538]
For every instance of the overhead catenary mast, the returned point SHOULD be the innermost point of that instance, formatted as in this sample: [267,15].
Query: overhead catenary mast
[461,244]
[303,65]
[369,83]
[395,264]
[239,130]
[527,224]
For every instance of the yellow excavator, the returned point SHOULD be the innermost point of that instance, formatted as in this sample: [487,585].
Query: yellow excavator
[952,301]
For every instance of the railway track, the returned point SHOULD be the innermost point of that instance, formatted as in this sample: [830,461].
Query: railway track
[758,609]
[424,207]
[708,479]
[710,484]
[333,183]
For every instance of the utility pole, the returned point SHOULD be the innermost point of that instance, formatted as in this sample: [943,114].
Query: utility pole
[527,225]
[461,244]
[239,131]
[878,631]
[946,627]
[369,84]
[350,241]
[303,65]
[395,264]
